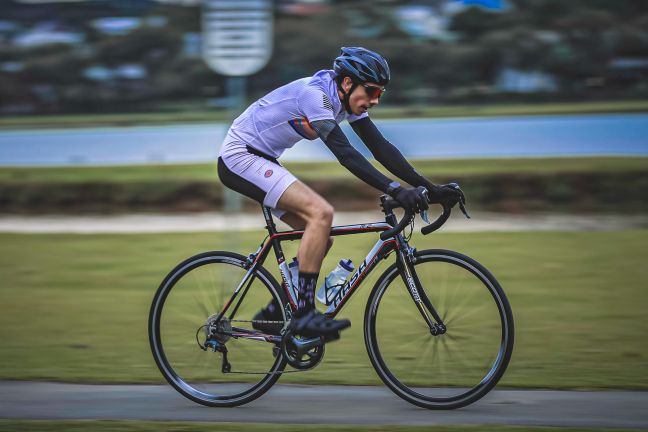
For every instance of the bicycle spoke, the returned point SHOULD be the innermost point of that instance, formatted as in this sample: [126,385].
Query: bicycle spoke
[454,335]
[216,290]
[463,316]
[439,356]
[413,339]
[201,289]
[426,350]
[448,369]
[189,318]
[193,300]
[202,307]
[457,354]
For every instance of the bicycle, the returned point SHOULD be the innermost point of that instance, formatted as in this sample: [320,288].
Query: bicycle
[438,327]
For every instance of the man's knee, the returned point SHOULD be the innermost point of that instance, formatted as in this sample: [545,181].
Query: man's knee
[306,204]
[320,212]
[327,213]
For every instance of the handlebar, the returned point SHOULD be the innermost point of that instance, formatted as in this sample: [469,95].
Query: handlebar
[400,226]
[390,204]
[437,223]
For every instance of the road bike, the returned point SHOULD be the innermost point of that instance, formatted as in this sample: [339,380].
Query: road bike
[438,327]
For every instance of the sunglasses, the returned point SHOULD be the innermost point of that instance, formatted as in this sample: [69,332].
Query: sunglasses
[373,92]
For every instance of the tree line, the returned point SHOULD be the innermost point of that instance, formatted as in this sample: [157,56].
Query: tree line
[592,49]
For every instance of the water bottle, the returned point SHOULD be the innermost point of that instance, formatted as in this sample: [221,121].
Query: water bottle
[293,269]
[334,282]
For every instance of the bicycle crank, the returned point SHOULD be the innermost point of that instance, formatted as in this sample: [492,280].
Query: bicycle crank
[302,353]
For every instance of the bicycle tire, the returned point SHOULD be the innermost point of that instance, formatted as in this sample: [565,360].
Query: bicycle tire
[422,387]
[196,391]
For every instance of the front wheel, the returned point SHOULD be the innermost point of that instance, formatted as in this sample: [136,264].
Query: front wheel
[452,369]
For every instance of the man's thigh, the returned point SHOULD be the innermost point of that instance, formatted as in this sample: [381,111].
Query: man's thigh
[294,221]
[301,202]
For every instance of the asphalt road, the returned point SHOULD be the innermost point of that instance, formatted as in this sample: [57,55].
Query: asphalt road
[322,405]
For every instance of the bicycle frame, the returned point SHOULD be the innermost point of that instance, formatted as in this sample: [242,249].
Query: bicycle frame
[381,250]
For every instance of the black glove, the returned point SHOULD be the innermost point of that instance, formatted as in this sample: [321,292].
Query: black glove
[412,199]
[446,194]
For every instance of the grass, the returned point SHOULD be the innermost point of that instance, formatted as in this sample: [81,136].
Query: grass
[576,184]
[132,119]
[135,426]
[313,171]
[75,307]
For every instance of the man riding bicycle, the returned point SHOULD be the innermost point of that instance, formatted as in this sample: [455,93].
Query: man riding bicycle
[312,108]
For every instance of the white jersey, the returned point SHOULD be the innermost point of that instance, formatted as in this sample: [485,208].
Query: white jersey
[281,118]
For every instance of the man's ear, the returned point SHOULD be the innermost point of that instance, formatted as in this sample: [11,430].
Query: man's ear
[347,83]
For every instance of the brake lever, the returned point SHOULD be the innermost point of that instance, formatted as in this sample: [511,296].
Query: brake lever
[424,213]
[424,216]
[462,206]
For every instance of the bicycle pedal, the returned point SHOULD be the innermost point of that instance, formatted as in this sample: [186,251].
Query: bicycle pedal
[331,337]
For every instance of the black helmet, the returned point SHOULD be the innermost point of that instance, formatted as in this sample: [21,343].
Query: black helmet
[362,65]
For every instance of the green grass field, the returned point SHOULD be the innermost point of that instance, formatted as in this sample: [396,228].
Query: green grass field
[386,111]
[312,171]
[133,426]
[75,307]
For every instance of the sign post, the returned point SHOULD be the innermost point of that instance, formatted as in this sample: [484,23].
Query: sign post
[237,42]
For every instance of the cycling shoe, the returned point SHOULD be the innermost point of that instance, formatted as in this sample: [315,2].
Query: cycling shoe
[315,323]
[269,313]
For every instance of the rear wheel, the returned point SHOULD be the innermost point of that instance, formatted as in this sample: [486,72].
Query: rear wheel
[452,369]
[181,323]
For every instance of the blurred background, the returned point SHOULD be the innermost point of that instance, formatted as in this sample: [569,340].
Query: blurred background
[103,56]
[119,82]
[112,113]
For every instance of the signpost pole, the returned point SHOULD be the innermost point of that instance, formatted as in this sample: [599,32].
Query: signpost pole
[237,42]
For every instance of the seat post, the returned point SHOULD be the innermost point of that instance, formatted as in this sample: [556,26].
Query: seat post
[270,225]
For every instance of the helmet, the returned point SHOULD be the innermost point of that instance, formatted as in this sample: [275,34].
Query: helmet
[362,65]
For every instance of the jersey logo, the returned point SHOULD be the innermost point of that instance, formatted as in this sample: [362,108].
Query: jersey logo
[303,128]
[327,102]
[268,173]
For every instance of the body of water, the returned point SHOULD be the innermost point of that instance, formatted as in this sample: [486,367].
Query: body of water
[528,136]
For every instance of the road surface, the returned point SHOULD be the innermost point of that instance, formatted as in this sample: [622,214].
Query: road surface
[322,405]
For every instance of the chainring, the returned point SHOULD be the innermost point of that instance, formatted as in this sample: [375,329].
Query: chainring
[302,353]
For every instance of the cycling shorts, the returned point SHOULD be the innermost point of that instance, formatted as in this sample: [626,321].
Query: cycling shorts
[254,175]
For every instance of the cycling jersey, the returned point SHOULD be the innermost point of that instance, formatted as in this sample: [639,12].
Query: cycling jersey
[308,108]
[283,117]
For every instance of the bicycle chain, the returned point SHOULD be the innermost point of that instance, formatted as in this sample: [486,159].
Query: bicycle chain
[259,321]
[266,373]
[262,373]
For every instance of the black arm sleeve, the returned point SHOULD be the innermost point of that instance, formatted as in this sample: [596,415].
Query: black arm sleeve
[385,152]
[349,157]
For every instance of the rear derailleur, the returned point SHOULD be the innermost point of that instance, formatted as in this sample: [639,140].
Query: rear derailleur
[216,332]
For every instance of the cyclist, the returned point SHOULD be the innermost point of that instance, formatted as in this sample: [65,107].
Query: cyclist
[312,108]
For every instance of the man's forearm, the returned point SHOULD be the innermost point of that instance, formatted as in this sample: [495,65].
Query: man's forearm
[332,135]
[386,153]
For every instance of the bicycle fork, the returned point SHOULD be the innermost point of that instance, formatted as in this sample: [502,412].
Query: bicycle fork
[418,294]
